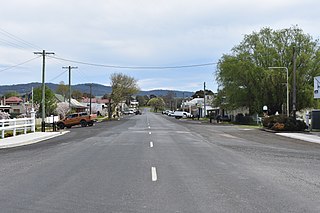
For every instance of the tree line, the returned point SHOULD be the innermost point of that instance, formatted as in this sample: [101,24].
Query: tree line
[245,79]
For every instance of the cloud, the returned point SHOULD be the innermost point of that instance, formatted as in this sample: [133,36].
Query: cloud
[141,33]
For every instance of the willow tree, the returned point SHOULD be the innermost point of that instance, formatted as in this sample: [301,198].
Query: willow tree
[123,87]
[246,81]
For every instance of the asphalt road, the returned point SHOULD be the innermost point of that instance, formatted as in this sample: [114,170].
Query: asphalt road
[153,163]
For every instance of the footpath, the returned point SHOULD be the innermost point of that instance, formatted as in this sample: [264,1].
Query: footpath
[30,138]
[312,137]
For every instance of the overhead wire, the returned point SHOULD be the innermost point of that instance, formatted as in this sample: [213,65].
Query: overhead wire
[20,42]
[5,42]
[82,77]
[11,67]
[135,67]
[58,75]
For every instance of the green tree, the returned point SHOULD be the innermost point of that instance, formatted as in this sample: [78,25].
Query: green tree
[11,94]
[50,100]
[76,94]
[123,87]
[106,96]
[142,100]
[169,100]
[244,77]
[63,90]
[200,93]
[156,104]
[87,95]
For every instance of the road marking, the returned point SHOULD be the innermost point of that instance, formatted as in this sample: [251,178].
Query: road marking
[149,127]
[154,174]
[151,144]
[149,133]
[228,136]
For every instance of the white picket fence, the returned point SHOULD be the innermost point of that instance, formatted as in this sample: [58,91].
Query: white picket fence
[19,124]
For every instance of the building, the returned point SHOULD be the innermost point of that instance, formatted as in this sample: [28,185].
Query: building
[196,106]
[3,106]
[98,105]
[74,104]
[16,104]
[134,105]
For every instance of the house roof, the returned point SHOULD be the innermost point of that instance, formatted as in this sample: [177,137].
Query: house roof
[74,103]
[13,100]
[95,100]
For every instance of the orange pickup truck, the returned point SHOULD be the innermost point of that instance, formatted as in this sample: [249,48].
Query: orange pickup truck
[82,118]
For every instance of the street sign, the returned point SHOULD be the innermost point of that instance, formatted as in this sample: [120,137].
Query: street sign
[317,87]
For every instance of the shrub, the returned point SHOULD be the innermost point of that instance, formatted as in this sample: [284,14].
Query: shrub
[8,134]
[245,120]
[278,127]
[283,123]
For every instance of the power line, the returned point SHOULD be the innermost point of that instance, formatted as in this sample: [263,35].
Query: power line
[83,77]
[19,40]
[58,75]
[136,67]
[19,64]
[5,42]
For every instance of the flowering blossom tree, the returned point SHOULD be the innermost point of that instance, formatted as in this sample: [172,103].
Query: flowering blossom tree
[62,109]
[4,115]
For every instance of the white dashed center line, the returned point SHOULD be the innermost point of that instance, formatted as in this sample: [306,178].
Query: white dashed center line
[154,174]
[151,144]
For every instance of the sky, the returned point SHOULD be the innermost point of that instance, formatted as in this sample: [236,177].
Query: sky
[136,33]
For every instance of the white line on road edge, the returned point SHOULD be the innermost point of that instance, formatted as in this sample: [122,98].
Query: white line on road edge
[228,136]
[154,174]
[151,144]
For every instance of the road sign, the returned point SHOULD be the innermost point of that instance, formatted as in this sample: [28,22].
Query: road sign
[317,87]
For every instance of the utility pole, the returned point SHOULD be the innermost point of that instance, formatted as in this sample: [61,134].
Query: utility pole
[204,99]
[287,71]
[69,68]
[43,53]
[32,108]
[294,91]
[183,101]
[90,98]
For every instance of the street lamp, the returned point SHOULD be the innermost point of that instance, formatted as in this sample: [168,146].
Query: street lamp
[287,85]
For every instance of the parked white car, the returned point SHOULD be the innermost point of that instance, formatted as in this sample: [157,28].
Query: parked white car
[181,114]
[166,112]
[170,113]
[128,112]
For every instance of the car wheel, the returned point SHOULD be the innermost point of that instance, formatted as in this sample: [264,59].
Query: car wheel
[60,125]
[83,123]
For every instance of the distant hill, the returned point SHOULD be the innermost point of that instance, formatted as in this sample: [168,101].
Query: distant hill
[97,89]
